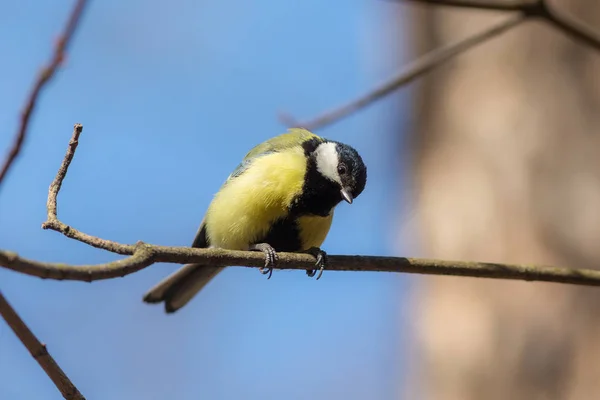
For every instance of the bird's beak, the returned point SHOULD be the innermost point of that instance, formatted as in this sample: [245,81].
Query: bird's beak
[346,195]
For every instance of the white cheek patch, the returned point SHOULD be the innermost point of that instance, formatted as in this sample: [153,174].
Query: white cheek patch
[327,161]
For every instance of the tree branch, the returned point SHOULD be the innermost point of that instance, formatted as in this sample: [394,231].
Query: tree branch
[416,69]
[496,5]
[38,351]
[45,75]
[543,9]
[146,255]
[142,255]
[527,9]
[53,222]
[575,28]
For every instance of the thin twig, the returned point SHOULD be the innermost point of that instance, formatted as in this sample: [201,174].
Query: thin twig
[55,224]
[418,68]
[528,9]
[146,255]
[543,9]
[45,75]
[56,184]
[570,25]
[481,4]
[38,351]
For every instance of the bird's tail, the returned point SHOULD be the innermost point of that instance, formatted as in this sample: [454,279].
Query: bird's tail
[177,289]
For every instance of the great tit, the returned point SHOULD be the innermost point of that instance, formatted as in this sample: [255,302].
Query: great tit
[280,198]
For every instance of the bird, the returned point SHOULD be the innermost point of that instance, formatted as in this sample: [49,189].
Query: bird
[280,198]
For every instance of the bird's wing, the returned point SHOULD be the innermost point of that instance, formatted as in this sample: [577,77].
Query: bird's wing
[293,137]
[179,287]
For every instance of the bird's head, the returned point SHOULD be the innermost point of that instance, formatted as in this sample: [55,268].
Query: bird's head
[341,165]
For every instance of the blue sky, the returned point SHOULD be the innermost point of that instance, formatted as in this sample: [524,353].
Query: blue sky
[171,97]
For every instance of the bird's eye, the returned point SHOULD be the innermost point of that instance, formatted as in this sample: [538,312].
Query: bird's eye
[342,169]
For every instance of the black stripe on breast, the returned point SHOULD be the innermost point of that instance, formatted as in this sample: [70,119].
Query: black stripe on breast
[284,235]
[319,195]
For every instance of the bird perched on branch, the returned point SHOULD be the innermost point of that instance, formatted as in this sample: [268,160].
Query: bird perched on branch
[280,198]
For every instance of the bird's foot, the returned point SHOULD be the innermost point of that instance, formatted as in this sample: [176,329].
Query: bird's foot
[270,257]
[321,257]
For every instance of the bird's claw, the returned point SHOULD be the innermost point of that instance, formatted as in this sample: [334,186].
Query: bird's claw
[270,258]
[321,257]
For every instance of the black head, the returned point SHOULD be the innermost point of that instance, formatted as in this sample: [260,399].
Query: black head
[351,170]
[335,172]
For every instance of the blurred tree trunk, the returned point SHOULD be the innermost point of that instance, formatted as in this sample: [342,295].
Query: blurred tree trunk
[506,152]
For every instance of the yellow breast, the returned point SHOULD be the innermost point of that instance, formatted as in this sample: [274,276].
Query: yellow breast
[243,210]
[314,229]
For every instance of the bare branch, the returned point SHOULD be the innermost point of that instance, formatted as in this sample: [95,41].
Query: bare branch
[498,5]
[141,258]
[146,255]
[45,75]
[38,351]
[527,9]
[543,9]
[421,66]
[569,25]
[51,206]
[53,222]
[142,255]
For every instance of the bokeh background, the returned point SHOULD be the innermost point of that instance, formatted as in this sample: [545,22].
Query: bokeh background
[492,157]
[171,96]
